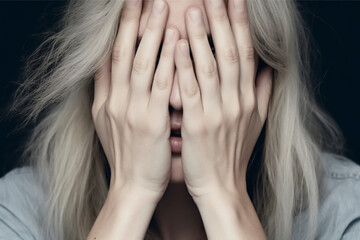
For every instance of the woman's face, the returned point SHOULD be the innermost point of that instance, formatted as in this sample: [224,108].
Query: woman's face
[176,18]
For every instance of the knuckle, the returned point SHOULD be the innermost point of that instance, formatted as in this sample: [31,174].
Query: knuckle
[191,90]
[187,65]
[247,52]
[161,83]
[151,27]
[249,104]
[196,128]
[231,55]
[132,119]
[120,53]
[110,109]
[234,113]
[166,53]
[136,123]
[242,19]
[199,36]
[157,128]
[221,16]
[216,121]
[209,70]
[200,132]
[140,65]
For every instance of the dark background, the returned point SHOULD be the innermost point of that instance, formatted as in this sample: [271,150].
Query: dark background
[334,26]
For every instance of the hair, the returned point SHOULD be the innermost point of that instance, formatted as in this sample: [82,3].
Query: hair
[66,153]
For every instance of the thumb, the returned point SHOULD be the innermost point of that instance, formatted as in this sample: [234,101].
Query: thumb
[264,91]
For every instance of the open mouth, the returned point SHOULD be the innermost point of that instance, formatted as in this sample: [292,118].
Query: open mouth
[175,133]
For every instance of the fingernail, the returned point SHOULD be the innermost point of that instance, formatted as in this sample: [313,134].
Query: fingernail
[168,35]
[195,16]
[239,5]
[158,7]
[184,48]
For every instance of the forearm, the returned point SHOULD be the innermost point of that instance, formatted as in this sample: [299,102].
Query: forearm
[230,219]
[126,214]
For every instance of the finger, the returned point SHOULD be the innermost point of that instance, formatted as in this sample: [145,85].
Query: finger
[241,29]
[205,64]
[189,88]
[164,75]
[264,91]
[124,48]
[102,81]
[145,59]
[227,56]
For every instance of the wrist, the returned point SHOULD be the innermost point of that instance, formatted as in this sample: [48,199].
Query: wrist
[125,214]
[233,215]
[133,193]
[231,205]
[235,198]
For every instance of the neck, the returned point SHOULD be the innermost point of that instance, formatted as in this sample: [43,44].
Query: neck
[177,216]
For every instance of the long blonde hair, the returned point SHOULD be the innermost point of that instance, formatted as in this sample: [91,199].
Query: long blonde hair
[67,155]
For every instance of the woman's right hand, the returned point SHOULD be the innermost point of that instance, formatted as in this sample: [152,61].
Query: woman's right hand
[132,121]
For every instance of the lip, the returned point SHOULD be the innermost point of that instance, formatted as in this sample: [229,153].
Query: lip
[175,125]
[176,143]
[175,128]
[175,138]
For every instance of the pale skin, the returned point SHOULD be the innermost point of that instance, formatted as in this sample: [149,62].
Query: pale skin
[221,111]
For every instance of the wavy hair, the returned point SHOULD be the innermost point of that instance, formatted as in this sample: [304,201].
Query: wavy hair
[57,94]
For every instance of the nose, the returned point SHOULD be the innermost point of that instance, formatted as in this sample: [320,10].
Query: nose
[175,97]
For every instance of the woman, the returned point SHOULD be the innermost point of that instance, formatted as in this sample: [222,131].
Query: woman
[257,157]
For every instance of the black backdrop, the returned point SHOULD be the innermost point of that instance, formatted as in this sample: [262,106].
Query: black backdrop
[334,25]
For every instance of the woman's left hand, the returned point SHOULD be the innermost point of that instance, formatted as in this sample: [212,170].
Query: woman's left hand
[225,106]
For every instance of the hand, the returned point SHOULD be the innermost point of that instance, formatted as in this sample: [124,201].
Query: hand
[223,110]
[132,121]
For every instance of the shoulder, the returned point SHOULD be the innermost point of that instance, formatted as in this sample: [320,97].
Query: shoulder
[339,167]
[21,204]
[339,210]
[340,186]
[339,194]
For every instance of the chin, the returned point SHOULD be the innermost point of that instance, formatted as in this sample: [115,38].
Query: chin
[177,173]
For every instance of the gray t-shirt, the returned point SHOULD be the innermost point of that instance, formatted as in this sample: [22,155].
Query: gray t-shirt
[22,203]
